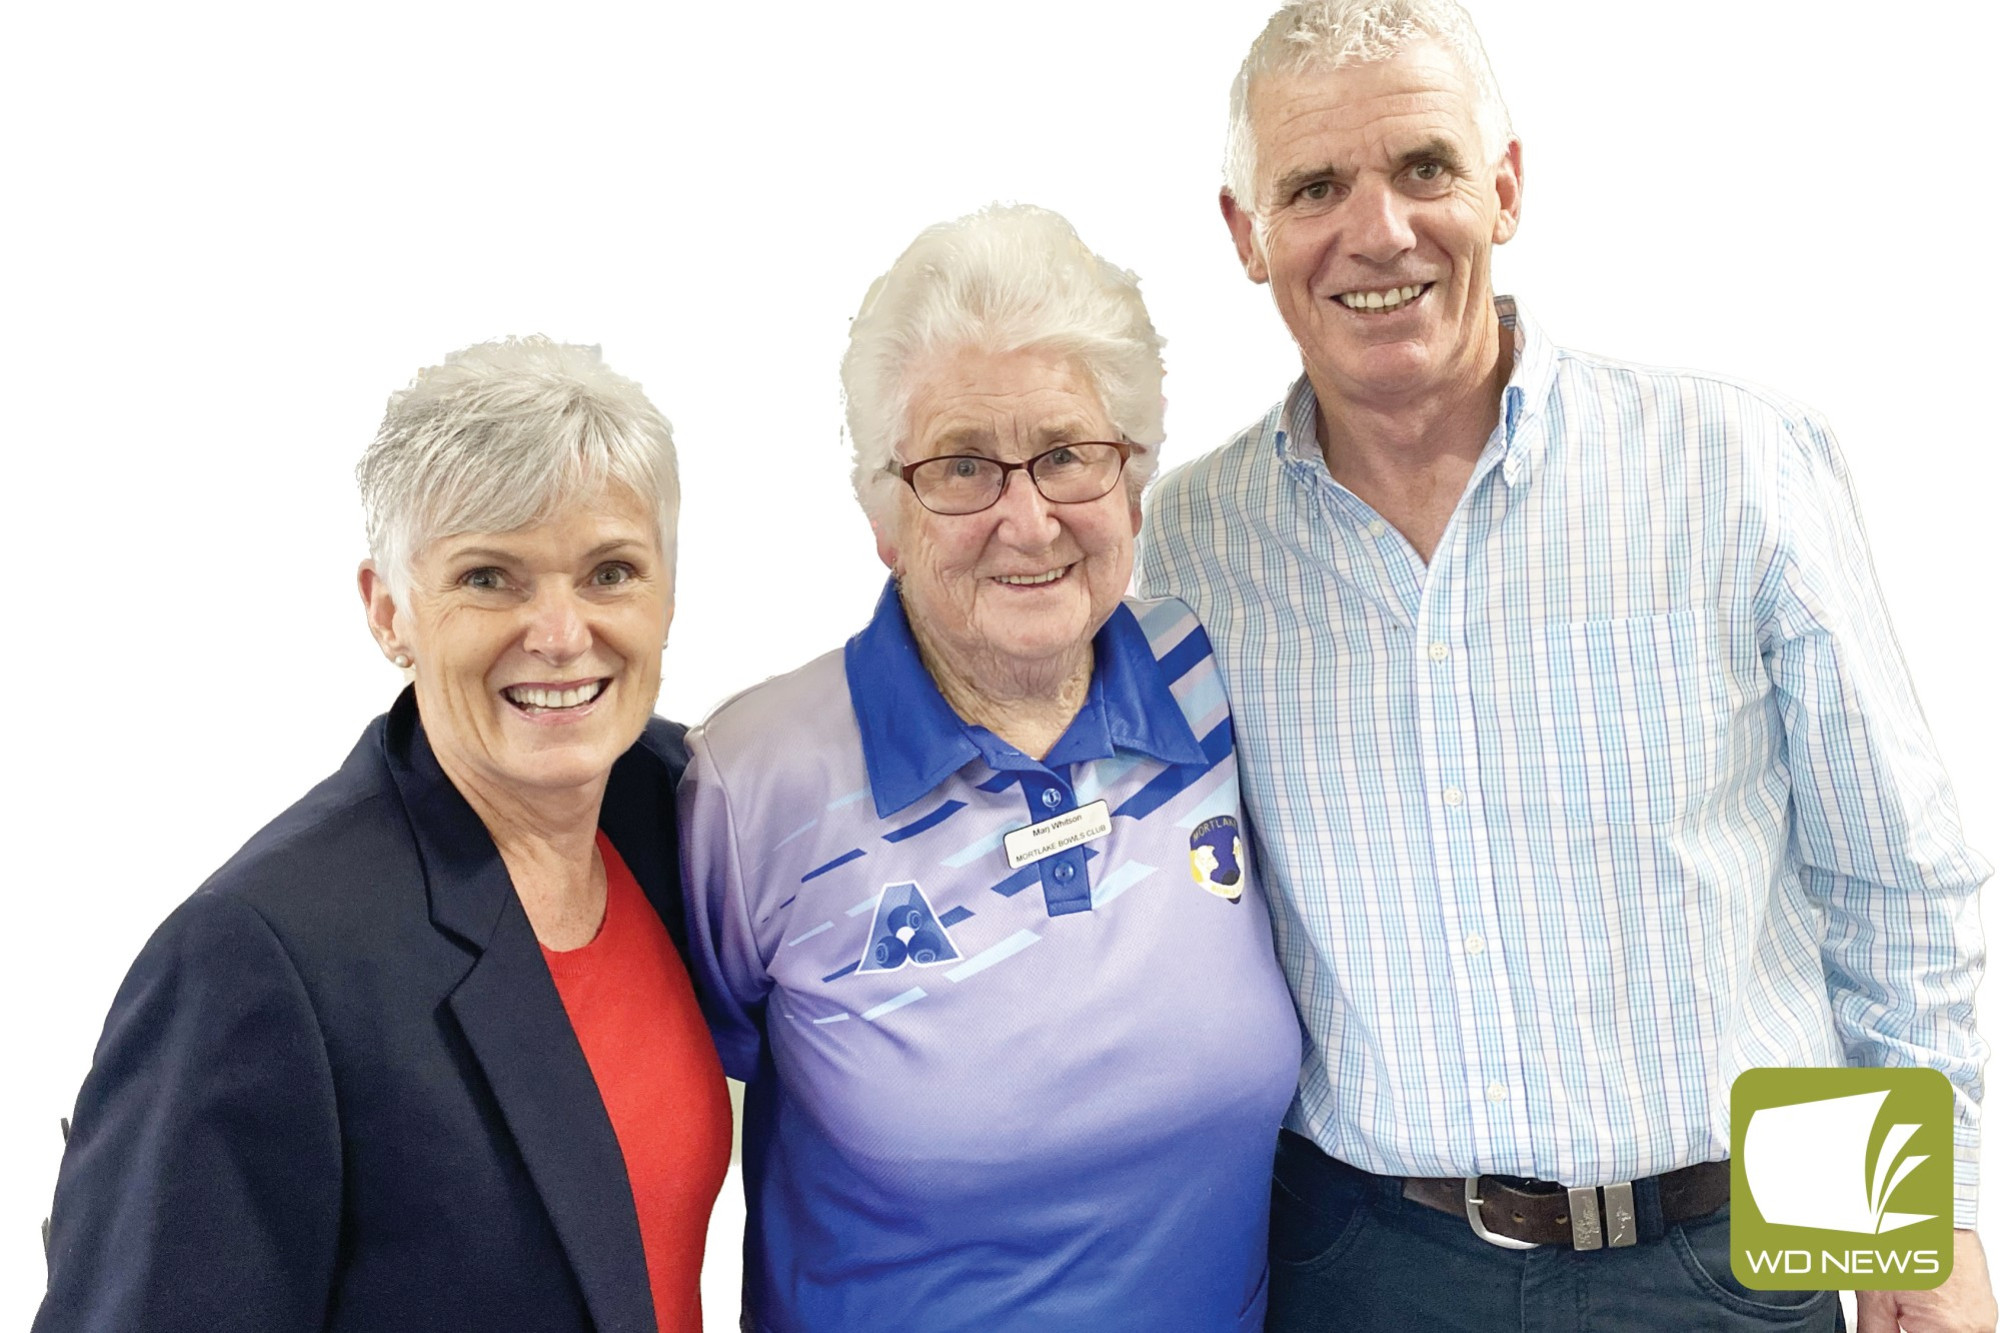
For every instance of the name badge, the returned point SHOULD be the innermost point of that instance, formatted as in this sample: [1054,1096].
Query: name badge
[1071,829]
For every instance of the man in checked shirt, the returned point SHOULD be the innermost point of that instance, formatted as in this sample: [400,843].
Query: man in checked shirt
[1584,769]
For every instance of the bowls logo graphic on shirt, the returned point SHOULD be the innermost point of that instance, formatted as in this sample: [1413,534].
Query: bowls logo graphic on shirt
[906,931]
[1215,855]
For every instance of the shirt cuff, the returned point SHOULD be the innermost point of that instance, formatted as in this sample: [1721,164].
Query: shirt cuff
[1965,1176]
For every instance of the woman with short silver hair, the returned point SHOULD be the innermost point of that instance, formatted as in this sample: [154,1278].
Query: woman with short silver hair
[424,1054]
[969,903]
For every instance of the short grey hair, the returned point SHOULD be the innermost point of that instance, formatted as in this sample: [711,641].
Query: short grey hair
[502,436]
[1329,34]
[1007,278]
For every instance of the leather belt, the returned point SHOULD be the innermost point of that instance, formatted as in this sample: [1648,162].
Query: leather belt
[1521,1214]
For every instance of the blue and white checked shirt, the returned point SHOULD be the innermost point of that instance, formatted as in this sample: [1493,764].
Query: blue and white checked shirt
[1626,792]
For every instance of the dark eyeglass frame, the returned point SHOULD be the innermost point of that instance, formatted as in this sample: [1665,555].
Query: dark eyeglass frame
[908,472]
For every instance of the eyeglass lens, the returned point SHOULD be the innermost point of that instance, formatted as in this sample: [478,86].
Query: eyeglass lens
[1066,474]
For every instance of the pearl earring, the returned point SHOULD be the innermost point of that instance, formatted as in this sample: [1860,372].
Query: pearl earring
[402,660]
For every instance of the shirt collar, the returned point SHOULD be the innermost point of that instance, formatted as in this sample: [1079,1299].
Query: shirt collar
[1518,435]
[1524,405]
[911,740]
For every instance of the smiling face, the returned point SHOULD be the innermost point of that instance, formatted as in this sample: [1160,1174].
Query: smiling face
[1379,212]
[537,651]
[1008,597]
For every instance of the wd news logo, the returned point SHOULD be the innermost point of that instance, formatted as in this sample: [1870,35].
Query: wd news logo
[1840,1178]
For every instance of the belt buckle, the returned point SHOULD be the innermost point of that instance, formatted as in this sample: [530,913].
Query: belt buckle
[1616,1226]
[1472,1202]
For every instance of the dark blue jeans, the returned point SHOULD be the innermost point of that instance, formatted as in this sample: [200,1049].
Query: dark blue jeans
[1349,1252]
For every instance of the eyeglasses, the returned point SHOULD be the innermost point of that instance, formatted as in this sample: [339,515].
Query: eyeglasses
[1066,474]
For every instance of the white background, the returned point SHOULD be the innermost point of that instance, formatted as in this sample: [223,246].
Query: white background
[232,230]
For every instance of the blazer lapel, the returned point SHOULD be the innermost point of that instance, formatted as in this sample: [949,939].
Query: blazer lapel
[638,817]
[513,1019]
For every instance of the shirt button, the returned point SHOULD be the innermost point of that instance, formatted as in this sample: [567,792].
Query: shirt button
[1475,944]
[1377,527]
[1065,873]
[1453,797]
[1051,798]
[1440,651]
[1496,1091]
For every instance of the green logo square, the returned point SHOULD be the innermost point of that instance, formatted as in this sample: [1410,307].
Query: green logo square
[1840,1178]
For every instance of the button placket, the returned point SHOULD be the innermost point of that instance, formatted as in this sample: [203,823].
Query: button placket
[1066,875]
[1443,671]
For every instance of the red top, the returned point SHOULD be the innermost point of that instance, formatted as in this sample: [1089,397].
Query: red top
[629,1000]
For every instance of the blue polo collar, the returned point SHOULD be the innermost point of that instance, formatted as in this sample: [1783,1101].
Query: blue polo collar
[912,741]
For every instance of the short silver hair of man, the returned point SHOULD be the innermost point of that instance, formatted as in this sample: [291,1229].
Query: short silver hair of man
[1329,34]
[504,435]
[1007,278]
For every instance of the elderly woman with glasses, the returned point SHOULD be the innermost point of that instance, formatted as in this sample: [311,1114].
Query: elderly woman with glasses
[970,907]
[424,1055]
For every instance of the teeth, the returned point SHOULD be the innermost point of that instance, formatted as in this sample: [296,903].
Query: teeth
[1388,300]
[1027,580]
[531,696]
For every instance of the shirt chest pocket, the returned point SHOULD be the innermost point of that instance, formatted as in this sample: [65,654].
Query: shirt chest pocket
[1630,718]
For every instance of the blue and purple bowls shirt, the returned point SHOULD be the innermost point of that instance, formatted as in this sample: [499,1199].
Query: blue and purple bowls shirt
[991,1096]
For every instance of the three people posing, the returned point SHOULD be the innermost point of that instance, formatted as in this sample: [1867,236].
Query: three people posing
[1580,772]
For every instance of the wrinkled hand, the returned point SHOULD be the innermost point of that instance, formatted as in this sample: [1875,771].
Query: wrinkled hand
[1964,1304]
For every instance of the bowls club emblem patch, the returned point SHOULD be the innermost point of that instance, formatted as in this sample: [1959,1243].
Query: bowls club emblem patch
[1215,856]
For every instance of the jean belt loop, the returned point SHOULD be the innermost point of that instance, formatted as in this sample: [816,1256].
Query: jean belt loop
[1646,1203]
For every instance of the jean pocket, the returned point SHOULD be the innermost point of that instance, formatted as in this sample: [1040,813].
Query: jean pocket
[1311,1228]
[1703,1249]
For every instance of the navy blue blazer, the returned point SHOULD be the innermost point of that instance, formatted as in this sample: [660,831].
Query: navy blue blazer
[338,1089]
